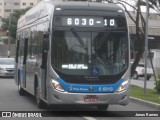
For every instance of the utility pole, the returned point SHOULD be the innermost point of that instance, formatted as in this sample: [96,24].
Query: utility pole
[9,31]
[9,38]
[146,45]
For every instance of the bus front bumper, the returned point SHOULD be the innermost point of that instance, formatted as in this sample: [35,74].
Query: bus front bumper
[56,97]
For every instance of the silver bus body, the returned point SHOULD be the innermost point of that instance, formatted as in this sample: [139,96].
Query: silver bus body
[40,70]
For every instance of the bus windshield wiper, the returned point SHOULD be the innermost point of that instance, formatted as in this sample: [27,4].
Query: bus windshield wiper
[78,38]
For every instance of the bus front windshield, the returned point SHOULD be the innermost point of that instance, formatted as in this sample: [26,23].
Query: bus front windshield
[89,53]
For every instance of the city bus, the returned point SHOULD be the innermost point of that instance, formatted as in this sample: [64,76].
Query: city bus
[73,53]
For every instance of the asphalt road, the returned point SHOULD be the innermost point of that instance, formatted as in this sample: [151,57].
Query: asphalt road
[11,101]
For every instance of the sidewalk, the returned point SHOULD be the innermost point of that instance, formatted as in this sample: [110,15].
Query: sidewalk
[150,84]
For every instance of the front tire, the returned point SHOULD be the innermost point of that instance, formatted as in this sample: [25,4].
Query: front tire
[39,102]
[20,89]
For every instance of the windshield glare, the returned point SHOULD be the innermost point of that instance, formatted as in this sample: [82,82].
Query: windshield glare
[89,53]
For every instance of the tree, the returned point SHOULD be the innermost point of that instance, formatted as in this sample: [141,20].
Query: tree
[10,23]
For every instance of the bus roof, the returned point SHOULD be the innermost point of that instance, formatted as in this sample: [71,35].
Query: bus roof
[45,8]
[81,4]
[86,5]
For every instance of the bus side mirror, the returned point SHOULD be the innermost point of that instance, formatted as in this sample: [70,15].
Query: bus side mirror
[45,42]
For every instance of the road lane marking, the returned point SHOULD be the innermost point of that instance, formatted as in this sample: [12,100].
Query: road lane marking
[89,118]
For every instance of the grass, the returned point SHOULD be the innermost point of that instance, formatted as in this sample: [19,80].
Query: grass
[151,95]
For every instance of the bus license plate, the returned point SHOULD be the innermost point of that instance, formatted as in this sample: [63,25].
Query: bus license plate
[91,98]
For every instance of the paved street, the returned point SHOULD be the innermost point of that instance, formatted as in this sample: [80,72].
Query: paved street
[11,101]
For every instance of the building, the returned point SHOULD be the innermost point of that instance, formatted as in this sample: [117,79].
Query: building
[8,6]
[153,31]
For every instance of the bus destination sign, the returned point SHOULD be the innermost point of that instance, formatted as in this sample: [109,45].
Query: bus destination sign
[86,21]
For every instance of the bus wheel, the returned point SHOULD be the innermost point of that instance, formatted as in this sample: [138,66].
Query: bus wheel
[40,103]
[102,107]
[21,90]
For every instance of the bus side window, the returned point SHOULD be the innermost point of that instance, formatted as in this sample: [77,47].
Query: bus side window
[25,50]
[45,43]
[17,49]
[44,50]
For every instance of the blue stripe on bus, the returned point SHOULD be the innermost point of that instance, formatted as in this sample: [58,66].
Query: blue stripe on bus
[90,88]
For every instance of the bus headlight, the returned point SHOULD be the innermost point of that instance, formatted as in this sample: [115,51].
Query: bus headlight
[56,85]
[123,86]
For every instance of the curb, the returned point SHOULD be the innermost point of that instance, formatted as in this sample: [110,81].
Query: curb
[146,103]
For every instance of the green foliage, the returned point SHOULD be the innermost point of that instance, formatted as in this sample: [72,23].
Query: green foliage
[151,95]
[12,20]
[158,84]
